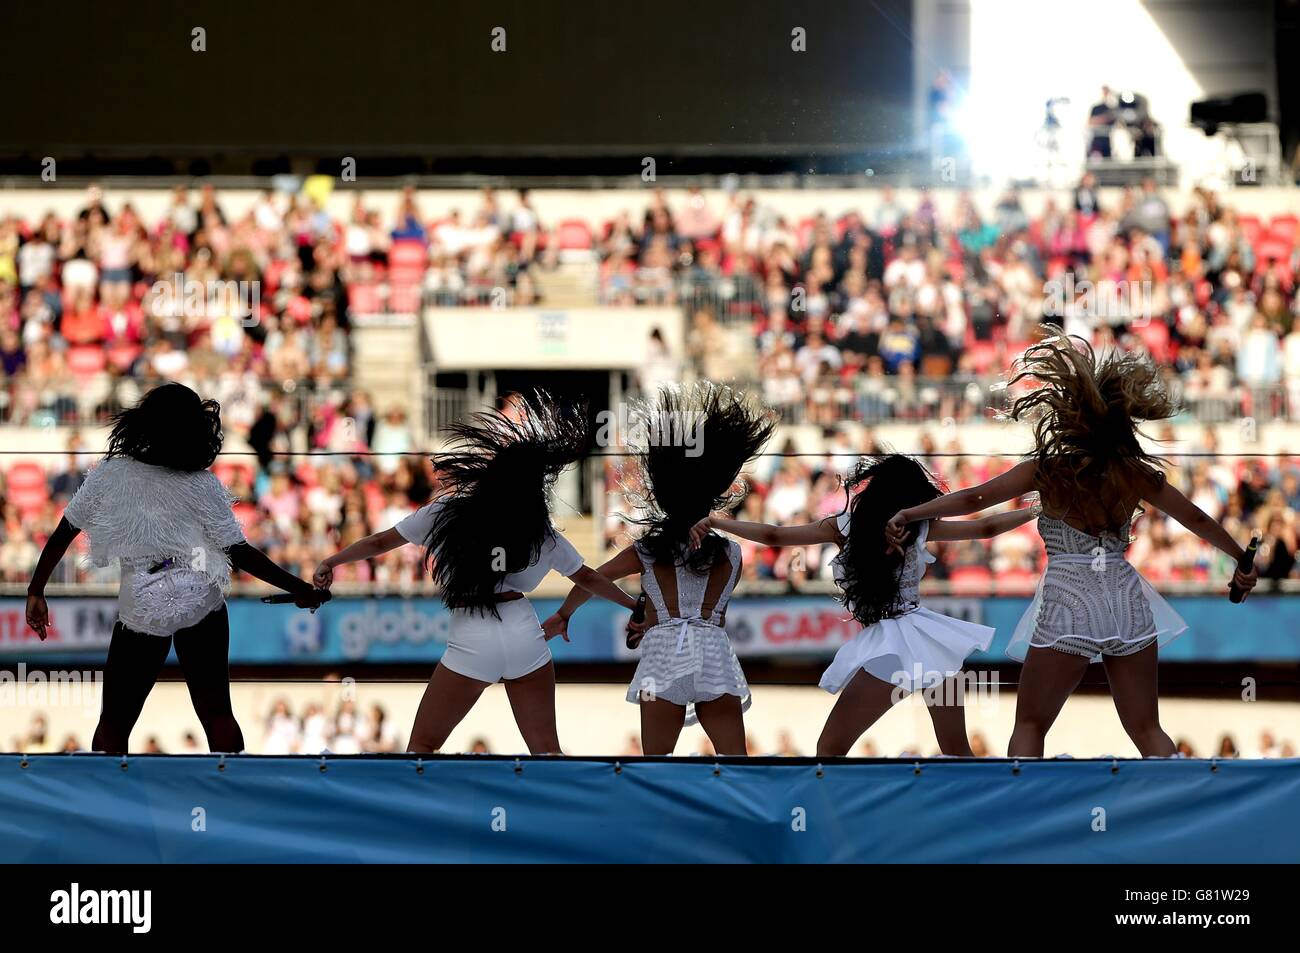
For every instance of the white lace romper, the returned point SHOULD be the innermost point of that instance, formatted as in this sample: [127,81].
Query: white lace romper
[686,657]
[1091,601]
[168,530]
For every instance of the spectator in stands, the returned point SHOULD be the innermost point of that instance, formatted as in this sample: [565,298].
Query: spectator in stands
[37,740]
[382,737]
[281,733]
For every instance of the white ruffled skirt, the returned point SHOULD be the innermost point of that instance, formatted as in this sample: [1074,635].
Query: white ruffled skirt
[1090,607]
[913,651]
[685,661]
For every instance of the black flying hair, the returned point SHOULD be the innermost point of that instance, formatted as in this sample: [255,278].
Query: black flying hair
[693,442]
[495,479]
[171,426]
[869,586]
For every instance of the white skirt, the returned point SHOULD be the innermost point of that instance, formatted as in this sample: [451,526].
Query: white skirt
[685,661]
[912,651]
[1082,610]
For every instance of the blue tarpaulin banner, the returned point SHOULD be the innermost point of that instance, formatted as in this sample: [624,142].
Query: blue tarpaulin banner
[399,809]
[394,629]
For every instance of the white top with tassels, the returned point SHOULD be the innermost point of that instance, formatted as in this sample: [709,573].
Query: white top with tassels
[169,530]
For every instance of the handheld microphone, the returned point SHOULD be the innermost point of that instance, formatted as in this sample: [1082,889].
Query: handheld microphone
[633,639]
[280,598]
[1246,563]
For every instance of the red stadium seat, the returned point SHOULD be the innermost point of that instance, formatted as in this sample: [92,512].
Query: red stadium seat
[364,299]
[1155,335]
[1283,229]
[86,360]
[1269,250]
[804,232]
[1015,582]
[226,469]
[971,580]
[404,298]
[123,356]
[248,515]
[26,486]
[1251,228]
[408,254]
[573,234]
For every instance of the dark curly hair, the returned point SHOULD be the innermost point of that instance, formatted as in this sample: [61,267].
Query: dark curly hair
[685,481]
[171,426]
[871,574]
[495,515]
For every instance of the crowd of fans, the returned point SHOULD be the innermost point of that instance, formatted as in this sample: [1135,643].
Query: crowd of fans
[94,304]
[906,312]
[902,314]
[1245,494]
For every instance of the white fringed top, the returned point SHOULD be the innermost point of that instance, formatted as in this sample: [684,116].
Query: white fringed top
[146,517]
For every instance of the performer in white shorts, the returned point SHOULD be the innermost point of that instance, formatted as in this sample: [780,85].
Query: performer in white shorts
[489,540]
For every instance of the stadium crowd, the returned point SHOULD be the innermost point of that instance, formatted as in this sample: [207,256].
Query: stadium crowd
[899,314]
[906,313]
[94,305]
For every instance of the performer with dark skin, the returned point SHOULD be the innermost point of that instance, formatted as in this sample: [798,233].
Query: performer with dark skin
[153,505]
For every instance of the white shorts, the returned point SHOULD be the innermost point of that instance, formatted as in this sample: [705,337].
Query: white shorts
[489,649]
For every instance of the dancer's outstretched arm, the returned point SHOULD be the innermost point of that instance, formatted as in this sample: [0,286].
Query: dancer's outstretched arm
[256,563]
[982,528]
[38,612]
[626,563]
[1017,481]
[805,534]
[600,585]
[376,544]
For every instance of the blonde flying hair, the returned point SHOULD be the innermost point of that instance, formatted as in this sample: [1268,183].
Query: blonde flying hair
[1085,416]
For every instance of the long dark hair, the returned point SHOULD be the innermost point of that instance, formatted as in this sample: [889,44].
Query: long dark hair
[694,440]
[869,587]
[1085,415]
[171,426]
[497,474]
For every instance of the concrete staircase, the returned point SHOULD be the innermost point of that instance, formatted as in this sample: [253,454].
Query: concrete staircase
[572,284]
[386,364]
[581,531]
